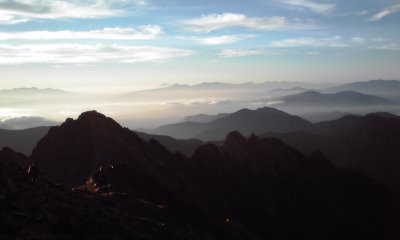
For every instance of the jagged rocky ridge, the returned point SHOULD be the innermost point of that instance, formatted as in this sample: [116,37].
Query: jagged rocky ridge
[246,188]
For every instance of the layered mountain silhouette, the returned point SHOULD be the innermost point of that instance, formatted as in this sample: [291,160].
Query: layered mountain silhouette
[25,122]
[245,121]
[31,91]
[369,144]
[339,99]
[315,117]
[184,146]
[245,188]
[202,118]
[25,140]
[384,88]
[22,140]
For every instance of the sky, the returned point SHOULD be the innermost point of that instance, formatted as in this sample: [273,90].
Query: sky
[121,45]
[101,50]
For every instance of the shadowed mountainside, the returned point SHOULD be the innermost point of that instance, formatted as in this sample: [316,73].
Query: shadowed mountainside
[71,152]
[369,144]
[44,210]
[252,187]
[22,140]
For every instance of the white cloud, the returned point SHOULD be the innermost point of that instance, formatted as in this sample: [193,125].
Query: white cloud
[212,22]
[385,12]
[388,46]
[313,53]
[85,54]
[310,42]
[17,11]
[116,33]
[219,40]
[229,53]
[380,40]
[322,8]
[358,40]
[363,13]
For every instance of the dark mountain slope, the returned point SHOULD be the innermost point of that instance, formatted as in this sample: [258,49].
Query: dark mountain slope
[184,146]
[26,139]
[22,140]
[281,194]
[245,121]
[17,158]
[185,130]
[370,144]
[47,211]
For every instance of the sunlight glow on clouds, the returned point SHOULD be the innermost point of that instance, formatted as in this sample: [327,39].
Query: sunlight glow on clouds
[212,22]
[84,54]
[225,39]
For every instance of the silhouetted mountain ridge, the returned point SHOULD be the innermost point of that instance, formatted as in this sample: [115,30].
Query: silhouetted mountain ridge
[245,121]
[344,98]
[245,188]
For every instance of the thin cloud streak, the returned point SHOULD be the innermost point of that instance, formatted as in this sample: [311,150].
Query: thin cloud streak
[116,33]
[18,11]
[231,53]
[220,40]
[85,54]
[310,42]
[322,8]
[386,12]
[213,22]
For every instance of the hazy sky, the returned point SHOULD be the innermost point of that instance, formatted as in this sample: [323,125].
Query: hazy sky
[131,44]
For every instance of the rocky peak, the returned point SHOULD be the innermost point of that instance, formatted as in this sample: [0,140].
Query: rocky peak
[70,153]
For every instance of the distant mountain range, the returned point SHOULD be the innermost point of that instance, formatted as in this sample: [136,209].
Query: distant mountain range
[339,99]
[315,117]
[245,121]
[243,188]
[32,90]
[355,142]
[265,85]
[25,122]
[384,88]
[203,118]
